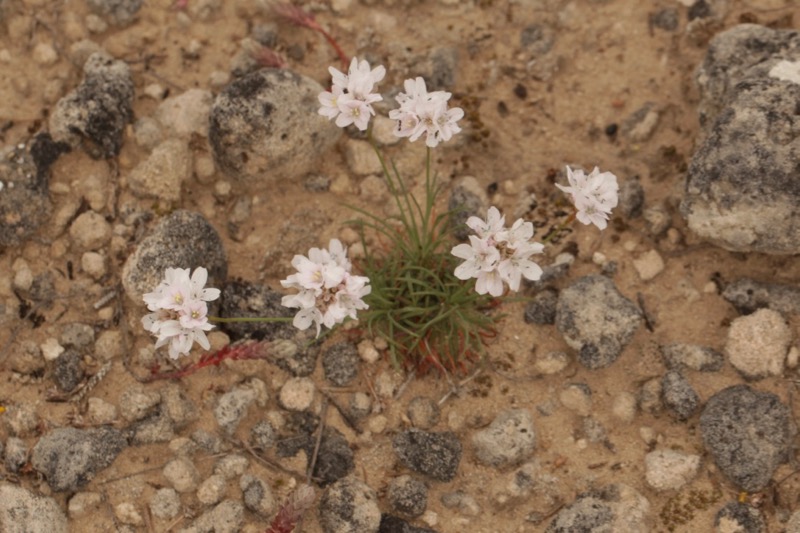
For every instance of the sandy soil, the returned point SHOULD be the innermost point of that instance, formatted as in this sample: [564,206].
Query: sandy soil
[607,61]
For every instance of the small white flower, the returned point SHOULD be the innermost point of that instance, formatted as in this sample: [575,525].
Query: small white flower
[180,310]
[327,292]
[423,113]
[498,255]
[479,256]
[487,228]
[594,196]
[350,99]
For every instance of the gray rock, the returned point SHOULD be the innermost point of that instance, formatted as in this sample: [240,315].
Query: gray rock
[69,457]
[137,402]
[678,395]
[440,68]
[98,109]
[175,405]
[748,433]
[744,51]
[16,454]
[335,459]
[596,320]
[77,335]
[665,19]
[650,396]
[182,239]
[408,496]
[265,126]
[677,356]
[119,12]
[612,508]
[22,419]
[467,199]
[349,506]
[232,407]
[226,517]
[509,439]
[262,436]
[631,198]
[423,412]
[24,192]
[748,295]
[165,503]
[395,524]
[741,190]
[23,512]
[241,298]
[257,495]
[340,363]
[181,474]
[68,370]
[208,442]
[542,308]
[436,455]
[739,517]
[158,427]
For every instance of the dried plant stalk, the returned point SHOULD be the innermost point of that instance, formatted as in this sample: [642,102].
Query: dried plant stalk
[293,509]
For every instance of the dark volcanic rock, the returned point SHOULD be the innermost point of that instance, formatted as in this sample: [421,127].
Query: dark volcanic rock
[433,454]
[749,433]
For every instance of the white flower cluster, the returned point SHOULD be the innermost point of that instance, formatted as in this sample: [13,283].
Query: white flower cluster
[498,255]
[180,310]
[350,99]
[328,292]
[420,113]
[594,195]
[423,112]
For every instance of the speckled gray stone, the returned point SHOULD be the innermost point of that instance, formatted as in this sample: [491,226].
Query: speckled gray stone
[349,506]
[748,433]
[264,126]
[742,191]
[98,110]
[183,239]
[69,457]
[596,320]
[433,454]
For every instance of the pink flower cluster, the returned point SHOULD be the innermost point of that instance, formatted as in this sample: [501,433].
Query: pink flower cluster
[420,113]
[498,255]
[180,310]
[594,195]
[425,113]
[350,99]
[327,292]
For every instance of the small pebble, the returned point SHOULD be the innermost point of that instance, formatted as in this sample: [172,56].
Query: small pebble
[297,394]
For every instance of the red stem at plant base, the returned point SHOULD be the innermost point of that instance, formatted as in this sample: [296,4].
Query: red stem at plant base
[233,352]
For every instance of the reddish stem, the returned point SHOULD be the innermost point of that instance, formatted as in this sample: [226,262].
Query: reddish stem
[233,352]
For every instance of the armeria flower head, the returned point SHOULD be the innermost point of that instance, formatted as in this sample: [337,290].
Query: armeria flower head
[180,310]
[498,255]
[350,99]
[594,196]
[424,113]
[327,292]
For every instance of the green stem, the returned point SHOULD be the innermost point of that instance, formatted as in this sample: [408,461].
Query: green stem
[561,226]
